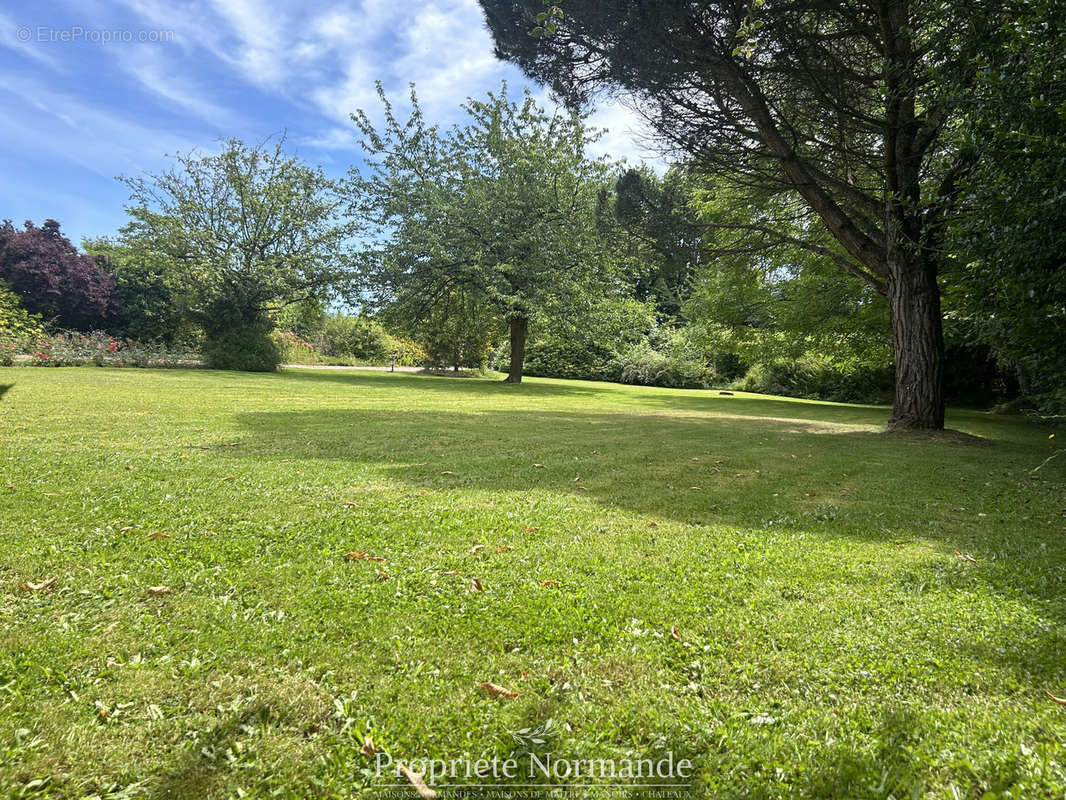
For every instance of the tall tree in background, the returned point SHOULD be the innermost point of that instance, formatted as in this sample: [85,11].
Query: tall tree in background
[501,211]
[53,279]
[246,231]
[841,105]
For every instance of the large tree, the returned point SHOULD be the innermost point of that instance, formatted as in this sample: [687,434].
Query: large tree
[501,212]
[53,279]
[244,232]
[841,105]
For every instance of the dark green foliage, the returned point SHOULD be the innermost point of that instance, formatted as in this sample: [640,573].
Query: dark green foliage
[237,336]
[819,379]
[356,338]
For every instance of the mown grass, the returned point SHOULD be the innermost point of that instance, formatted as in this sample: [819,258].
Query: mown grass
[832,644]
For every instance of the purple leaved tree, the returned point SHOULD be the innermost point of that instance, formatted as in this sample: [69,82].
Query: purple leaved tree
[53,279]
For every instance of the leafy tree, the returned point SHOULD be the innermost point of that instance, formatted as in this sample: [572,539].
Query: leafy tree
[501,211]
[53,279]
[1007,287]
[659,213]
[840,107]
[245,232]
[146,291]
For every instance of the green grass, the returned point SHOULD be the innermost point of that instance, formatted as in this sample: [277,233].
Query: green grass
[832,643]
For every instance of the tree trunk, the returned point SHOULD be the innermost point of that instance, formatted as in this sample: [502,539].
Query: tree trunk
[519,328]
[918,345]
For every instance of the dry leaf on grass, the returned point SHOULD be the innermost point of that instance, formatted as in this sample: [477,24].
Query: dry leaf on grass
[158,535]
[46,586]
[675,633]
[653,524]
[499,691]
[418,783]
[503,548]
[447,472]
[227,478]
[477,547]
[110,627]
[811,494]
[476,586]
[965,557]
[352,556]
[529,528]
[348,504]
[210,533]
[549,582]
[369,748]
[378,559]
[382,575]
[539,466]
[1060,700]
[126,529]
[158,591]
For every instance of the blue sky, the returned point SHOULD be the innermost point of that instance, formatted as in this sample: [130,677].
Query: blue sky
[90,90]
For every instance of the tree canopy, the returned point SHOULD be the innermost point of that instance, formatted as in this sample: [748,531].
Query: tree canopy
[499,213]
[844,109]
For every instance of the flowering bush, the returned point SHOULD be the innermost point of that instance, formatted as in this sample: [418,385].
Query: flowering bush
[72,349]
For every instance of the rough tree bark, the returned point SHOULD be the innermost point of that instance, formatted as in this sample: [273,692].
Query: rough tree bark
[519,329]
[918,345]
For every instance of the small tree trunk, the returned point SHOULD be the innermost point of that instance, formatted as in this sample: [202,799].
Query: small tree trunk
[918,345]
[519,329]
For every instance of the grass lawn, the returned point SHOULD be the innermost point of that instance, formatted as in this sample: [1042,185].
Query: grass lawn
[766,587]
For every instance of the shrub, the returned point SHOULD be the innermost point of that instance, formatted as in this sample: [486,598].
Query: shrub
[246,347]
[356,338]
[408,353]
[555,358]
[17,326]
[293,349]
[820,379]
[646,366]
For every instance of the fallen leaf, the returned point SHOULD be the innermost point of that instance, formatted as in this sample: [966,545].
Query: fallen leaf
[210,533]
[503,548]
[582,488]
[675,633]
[694,458]
[158,535]
[418,783]
[382,575]
[523,675]
[128,467]
[348,504]
[549,582]
[452,572]
[158,591]
[110,627]
[694,488]
[46,586]
[354,555]
[477,547]
[378,559]
[965,557]
[447,472]
[653,524]
[368,748]
[227,478]
[499,691]
[1060,700]
[529,528]
[811,494]
[476,586]
[127,529]
[577,479]
[539,466]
